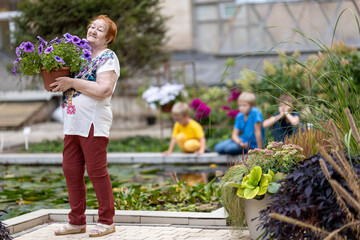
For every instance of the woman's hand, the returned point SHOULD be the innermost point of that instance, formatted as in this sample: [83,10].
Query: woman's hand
[61,84]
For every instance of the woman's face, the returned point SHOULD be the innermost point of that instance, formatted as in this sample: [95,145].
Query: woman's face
[96,34]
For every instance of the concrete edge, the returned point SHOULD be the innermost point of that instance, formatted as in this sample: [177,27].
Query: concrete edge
[116,158]
[216,218]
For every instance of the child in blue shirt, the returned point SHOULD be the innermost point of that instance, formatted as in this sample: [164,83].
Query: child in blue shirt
[285,122]
[248,132]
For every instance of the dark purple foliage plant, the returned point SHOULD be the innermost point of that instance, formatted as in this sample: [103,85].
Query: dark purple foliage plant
[306,195]
[4,232]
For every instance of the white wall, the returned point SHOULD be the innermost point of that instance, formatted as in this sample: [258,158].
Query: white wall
[179,25]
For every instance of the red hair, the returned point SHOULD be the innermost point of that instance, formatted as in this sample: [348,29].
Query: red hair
[112,30]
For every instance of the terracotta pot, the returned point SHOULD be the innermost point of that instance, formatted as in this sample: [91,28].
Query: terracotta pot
[49,77]
[252,209]
[167,107]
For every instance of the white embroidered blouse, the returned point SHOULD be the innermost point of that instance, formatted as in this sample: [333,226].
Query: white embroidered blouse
[80,111]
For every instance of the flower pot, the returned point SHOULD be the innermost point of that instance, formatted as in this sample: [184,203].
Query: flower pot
[252,208]
[49,77]
[167,107]
[150,120]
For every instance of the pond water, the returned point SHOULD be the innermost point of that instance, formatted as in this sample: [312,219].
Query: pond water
[28,188]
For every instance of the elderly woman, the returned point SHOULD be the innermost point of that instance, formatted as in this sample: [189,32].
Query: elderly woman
[87,120]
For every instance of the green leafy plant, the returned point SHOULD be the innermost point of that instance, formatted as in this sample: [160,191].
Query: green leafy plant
[256,184]
[70,51]
[287,74]
[171,197]
[24,189]
[276,158]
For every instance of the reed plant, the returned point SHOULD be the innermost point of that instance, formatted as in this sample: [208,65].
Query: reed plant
[309,139]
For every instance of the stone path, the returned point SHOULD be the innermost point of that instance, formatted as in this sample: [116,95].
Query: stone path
[131,232]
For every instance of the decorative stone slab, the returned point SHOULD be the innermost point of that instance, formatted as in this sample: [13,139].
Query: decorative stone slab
[215,219]
[140,232]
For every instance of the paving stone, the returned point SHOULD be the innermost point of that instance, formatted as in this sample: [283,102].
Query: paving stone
[45,232]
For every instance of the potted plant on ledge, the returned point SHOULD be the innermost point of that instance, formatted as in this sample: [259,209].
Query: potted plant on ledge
[246,187]
[53,59]
[253,190]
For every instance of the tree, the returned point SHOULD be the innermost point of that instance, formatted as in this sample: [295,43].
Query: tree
[141,27]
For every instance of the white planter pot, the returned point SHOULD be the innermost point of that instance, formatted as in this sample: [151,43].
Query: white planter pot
[252,209]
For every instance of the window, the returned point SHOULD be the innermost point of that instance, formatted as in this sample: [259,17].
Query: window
[227,11]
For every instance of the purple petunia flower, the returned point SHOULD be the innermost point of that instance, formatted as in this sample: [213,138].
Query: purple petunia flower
[22,45]
[59,59]
[87,46]
[234,95]
[49,49]
[40,49]
[87,54]
[42,40]
[195,103]
[82,43]
[18,51]
[16,61]
[28,47]
[233,113]
[76,40]
[68,36]
[14,71]
[54,40]
[226,108]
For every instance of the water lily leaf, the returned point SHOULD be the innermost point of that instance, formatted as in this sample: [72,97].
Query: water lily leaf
[251,193]
[278,176]
[273,187]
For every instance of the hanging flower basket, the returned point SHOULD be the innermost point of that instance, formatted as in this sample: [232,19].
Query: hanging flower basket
[49,77]
[167,107]
[163,97]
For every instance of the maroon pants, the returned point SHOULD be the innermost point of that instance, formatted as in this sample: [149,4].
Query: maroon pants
[90,151]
